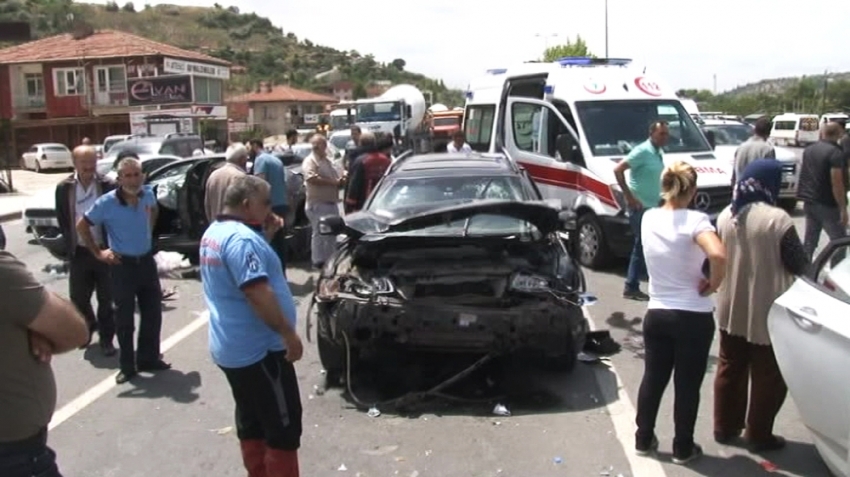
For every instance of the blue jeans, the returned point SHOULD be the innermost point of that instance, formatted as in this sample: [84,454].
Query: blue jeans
[637,264]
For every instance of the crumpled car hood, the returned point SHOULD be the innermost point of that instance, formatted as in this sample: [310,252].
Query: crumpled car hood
[540,214]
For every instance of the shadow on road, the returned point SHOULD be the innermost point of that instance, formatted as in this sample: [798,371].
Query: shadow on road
[797,458]
[172,384]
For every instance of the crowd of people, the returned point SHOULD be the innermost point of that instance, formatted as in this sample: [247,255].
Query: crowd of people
[748,259]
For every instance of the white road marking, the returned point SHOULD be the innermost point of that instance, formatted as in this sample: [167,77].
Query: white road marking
[622,413]
[93,394]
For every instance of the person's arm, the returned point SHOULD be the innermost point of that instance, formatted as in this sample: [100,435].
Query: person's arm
[94,217]
[242,258]
[311,174]
[61,206]
[153,215]
[705,236]
[836,170]
[260,168]
[354,191]
[792,253]
[41,312]
[620,174]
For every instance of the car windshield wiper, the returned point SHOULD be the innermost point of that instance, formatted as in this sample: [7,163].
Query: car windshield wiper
[466,227]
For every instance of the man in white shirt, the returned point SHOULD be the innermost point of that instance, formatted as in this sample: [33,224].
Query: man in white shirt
[458,143]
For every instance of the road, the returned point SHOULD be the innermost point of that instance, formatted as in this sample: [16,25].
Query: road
[180,422]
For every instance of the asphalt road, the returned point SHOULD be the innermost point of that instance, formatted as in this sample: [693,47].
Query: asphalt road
[180,422]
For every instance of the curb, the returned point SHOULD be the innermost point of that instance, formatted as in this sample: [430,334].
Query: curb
[11,216]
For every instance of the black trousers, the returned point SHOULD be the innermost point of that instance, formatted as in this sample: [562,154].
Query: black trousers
[278,241]
[28,458]
[136,278]
[268,402]
[89,275]
[676,341]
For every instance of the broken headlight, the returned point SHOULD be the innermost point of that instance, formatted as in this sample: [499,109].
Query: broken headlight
[522,282]
[375,286]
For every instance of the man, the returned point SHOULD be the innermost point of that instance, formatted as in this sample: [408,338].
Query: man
[252,330]
[366,171]
[642,191]
[129,214]
[86,141]
[74,196]
[756,147]
[271,169]
[34,325]
[322,182]
[291,139]
[352,148]
[458,143]
[823,188]
[236,160]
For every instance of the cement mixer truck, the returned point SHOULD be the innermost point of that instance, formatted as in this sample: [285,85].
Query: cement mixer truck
[399,111]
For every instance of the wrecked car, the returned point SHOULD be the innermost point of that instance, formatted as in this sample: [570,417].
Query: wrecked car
[451,253]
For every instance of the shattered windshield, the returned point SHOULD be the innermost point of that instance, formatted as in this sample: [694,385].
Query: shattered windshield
[613,128]
[730,134]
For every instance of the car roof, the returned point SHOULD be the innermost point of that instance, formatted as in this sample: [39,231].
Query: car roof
[455,164]
[51,144]
[722,122]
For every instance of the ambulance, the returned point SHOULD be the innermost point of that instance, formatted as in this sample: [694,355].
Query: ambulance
[568,122]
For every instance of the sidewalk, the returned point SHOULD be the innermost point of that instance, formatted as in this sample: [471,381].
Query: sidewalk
[27,184]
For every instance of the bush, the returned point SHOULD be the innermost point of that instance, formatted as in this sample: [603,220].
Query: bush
[112,7]
[129,7]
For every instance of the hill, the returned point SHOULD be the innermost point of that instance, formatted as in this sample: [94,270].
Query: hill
[267,52]
[804,94]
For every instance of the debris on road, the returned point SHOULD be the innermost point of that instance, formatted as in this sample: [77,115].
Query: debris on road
[558,460]
[768,466]
[56,268]
[342,468]
[383,450]
[588,358]
[223,430]
[373,412]
[501,410]
[601,343]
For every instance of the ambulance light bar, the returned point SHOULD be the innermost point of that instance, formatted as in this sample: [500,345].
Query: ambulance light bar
[586,61]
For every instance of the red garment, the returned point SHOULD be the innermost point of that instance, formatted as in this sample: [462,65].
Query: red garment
[366,172]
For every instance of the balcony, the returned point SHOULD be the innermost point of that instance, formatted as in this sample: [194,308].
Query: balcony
[25,102]
[112,99]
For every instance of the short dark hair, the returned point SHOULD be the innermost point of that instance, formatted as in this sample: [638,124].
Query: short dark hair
[257,143]
[291,133]
[459,134]
[355,128]
[762,127]
[656,125]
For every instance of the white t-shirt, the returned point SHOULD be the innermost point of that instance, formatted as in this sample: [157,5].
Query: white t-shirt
[674,260]
[465,148]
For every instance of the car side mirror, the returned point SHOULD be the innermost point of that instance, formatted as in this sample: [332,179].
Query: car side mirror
[568,219]
[331,225]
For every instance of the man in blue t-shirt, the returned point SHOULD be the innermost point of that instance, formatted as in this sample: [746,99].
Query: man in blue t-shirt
[252,328]
[128,215]
[272,170]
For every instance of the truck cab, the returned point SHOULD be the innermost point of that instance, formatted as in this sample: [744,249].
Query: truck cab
[570,121]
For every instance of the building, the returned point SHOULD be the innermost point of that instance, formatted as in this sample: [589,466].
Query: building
[343,90]
[277,108]
[99,83]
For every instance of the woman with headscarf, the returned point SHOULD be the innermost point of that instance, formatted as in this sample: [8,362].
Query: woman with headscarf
[764,253]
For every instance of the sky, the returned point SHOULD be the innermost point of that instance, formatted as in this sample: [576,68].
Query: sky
[686,42]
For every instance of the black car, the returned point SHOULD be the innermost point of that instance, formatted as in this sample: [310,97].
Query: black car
[451,253]
[180,191]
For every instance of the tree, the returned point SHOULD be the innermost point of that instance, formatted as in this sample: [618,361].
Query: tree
[359,91]
[129,7]
[399,64]
[570,48]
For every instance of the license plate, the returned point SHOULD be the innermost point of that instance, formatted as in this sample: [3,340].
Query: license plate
[466,319]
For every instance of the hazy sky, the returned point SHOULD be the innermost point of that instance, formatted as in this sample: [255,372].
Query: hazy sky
[684,41]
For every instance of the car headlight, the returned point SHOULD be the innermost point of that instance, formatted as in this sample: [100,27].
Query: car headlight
[375,286]
[522,282]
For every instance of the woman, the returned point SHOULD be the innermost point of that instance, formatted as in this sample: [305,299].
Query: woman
[679,325]
[323,182]
[765,253]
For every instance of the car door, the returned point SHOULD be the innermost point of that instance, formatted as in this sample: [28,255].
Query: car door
[191,196]
[810,331]
[166,183]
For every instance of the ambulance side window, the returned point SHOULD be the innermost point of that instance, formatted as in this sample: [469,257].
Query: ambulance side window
[530,128]
[479,126]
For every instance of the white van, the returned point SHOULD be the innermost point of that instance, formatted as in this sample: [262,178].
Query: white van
[792,129]
[569,122]
[828,117]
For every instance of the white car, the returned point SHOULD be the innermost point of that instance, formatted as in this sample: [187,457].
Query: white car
[728,135]
[49,155]
[809,328]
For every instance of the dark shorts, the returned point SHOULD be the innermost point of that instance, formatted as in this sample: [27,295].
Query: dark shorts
[268,403]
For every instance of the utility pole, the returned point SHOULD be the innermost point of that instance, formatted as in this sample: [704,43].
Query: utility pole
[606,29]
[825,88]
[715,83]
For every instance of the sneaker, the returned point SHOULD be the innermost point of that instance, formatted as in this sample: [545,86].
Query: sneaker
[645,450]
[636,295]
[694,454]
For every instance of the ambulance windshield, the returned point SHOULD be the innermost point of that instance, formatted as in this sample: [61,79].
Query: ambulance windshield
[613,128]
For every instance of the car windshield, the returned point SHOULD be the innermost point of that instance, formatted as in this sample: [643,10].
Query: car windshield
[415,195]
[338,122]
[730,134]
[136,147]
[339,141]
[614,127]
[111,142]
[375,112]
[56,148]
[452,121]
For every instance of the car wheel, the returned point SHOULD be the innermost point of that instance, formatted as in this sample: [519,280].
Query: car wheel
[331,354]
[592,246]
[790,205]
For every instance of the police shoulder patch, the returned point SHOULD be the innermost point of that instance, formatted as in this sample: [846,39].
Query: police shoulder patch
[252,262]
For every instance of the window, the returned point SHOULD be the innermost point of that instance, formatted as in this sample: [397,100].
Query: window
[832,270]
[69,81]
[479,126]
[444,191]
[268,113]
[730,134]
[784,125]
[111,79]
[35,85]
[207,90]
[529,123]
[808,124]
[453,121]
[377,112]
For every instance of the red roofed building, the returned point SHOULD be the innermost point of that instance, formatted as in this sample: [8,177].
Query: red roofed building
[99,83]
[278,108]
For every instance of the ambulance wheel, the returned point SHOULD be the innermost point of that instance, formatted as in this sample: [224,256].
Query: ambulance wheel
[593,250]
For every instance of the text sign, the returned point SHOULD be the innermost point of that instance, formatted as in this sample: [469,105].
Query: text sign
[181,67]
[171,89]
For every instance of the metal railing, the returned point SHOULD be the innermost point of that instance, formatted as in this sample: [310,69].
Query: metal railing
[25,101]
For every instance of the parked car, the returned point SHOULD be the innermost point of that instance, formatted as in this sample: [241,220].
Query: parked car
[49,155]
[150,163]
[810,332]
[451,253]
[728,135]
[175,144]
[113,140]
[180,191]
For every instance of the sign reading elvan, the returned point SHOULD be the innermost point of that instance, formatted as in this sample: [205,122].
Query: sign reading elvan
[181,67]
[169,89]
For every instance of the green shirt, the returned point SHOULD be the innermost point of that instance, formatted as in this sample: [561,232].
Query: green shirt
[646,163]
